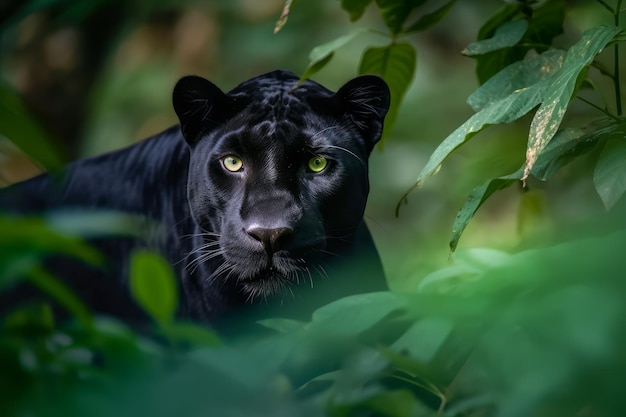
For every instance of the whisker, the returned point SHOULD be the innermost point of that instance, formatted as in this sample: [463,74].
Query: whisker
[348,151]
[308,271]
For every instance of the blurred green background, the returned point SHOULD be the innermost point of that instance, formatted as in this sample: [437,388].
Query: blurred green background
[98,76]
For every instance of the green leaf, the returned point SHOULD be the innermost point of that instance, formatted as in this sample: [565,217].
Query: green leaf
[396,64]
[476,199]
[545,22]
[490,64]
[515,78]
[562,149]
[551,93]
[395,12]
[21,129]
[315,67]
[153,285]
[355,314]
[609,176]
[503,15]
[322,54]
[191,333]
[355,8]
[558,90]
[424,339]
[506,35]
[430,19]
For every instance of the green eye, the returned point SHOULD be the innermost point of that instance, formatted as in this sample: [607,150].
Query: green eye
[317,164]
[232,163]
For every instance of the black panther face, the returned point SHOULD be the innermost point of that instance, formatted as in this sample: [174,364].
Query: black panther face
[278,176]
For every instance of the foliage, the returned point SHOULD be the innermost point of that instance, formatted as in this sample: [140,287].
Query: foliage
[15,122]
[543,83]
[537,332]
[497,334]
[395,62]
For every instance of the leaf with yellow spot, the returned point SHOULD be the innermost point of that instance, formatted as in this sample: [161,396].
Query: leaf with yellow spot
[546,81]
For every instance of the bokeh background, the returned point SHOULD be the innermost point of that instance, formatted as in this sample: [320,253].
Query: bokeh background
[98,75]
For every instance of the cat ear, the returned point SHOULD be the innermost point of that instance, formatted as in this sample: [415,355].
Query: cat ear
[365,100]
[198,103]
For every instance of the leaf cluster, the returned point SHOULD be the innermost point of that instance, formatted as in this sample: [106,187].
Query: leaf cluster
[522,74]
[395,62]
[494,334]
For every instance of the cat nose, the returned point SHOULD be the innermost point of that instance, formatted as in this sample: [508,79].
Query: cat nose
[271,239]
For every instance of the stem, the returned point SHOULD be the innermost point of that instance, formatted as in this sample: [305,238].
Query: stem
[595,106]
[616,74]
[607,6]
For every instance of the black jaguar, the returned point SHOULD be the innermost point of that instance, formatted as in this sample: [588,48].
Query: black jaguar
[255,199]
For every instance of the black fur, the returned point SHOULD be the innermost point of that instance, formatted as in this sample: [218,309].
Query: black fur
[272,236]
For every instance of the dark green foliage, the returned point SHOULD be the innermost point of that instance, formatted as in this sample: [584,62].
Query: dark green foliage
[395,62]
[516,29]
[498,334]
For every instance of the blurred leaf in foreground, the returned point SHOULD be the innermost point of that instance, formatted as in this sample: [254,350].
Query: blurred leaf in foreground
[21,129]
[153,285]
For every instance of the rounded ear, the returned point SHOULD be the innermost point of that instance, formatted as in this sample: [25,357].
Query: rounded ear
[198,103]
[365,100]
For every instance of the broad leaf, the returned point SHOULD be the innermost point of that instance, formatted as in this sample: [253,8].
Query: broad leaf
[21,129]
[355,314]
[558,89]
[355,8]
[609,176]
[551,93]
[562,149]
[395,12]
[516,77]
[424,339]
[396,64]
[430,19]
[153,285]
[505,36]
[322,54]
